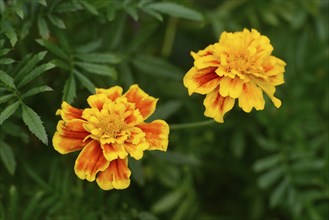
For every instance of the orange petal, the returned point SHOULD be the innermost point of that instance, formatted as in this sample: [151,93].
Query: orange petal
[69,136]
[114,151]
[157,133]
[90,161]
[144,103]
[217,105]
[67,112]
[136,144]
[97,101]
[251,97]
[201,81]
[116,176]
[112,93]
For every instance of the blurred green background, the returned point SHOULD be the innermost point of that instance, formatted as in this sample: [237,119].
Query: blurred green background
[272,164]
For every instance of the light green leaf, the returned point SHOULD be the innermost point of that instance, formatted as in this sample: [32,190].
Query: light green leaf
[98,69]
[54,49]
[89,7]
[42,2]
[7,157]
[85,81]
[12,36]
[37,90]
[132,12]
[69,91]
[5,98]
[175,10]
[153,13]
[34,123]
[266,162]
[157,67]
[27,64]
[4,51]
[7,112]
[168,202]
[99,58]
[7,80]
[56,21]
[35,73]
[6,61]
[43,28]
[20,12]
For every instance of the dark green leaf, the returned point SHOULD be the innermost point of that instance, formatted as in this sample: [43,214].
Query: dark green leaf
[7,112]
[270,177]
[69,91]
[37,90]
[4,51]
[98,69]
[89,47]
[6,61]
[12,36]
[165,110]
[85,81]
[99,58]
[7,80]
[5,98]
[176,158]
[42,2]
[168,202]
[54,49]
[35,73]
[7,157]
[28,64]
[175,10]
[137,171]
[43,28]
[267,162]
[89,7]
[57,21]
[34,123]
[33,206]
[20,12]
[278,193]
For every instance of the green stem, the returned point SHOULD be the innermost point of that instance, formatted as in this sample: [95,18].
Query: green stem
[192,124]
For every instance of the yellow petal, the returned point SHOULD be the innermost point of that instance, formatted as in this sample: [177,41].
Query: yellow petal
[113,151]
[157,133]
[67,112]
[97,101]
[112,93]
[116,176]
[201,81]
[217,105]
[230,87]
[251,97]
[90,161]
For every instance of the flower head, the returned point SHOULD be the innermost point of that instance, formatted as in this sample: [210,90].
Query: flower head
[107,132]
[240,66]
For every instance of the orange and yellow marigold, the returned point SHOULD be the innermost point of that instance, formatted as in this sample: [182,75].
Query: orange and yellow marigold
[107,132]
[239,66]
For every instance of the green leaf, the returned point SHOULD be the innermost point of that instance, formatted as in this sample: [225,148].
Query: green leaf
[35,73]
[153,13]
[7,80]
[89,7]
[165,110]
[5,98]
[168,202]
[43,28]
[267,162]
[89,47]
[132,12]
[6,61]
[37,90]
[61,64]
[32,207]
[69,91]
[238,144]
[42,2]
[34,123]
[20,12]
[176,158]
[270,177]
[56,21]
[157,67]
[12,36]
[4,51]
[27,64]
[137,171]
[175,10]
[98,69]
[85,81]
[99,58]
[13,203]
[7,157]
[278,193]
[10,110]
[53,48]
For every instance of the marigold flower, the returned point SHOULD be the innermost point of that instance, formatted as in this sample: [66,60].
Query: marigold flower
[107,132]
[240,66]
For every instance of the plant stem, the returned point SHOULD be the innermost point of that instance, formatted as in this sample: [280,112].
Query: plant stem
[192,124]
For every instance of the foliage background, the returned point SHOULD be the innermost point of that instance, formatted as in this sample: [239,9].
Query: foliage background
[272,164]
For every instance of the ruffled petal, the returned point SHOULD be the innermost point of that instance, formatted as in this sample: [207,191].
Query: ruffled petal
[217,105]
[112,93]
[251,97]
[201,81]
[90,161]
[116,176]
[157,133]
[67,112]
[113,151]
[230,87]
[97,101]
[143,102]
[136,144]
[70,136]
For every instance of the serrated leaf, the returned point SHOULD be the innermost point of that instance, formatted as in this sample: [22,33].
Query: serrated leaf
[34,123]
[7,157]
[35,73]
[175,10]
[37,90]
[20,12]
[5,98]
[9,111]
[56,21]
[43,28]
[61,64]
[157,67]
[98,69]
[69,91]
[28,64]
[89,7]
[85,81]
[53,48]
[267,162]
[7,80]
[6,61]
[99,58]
